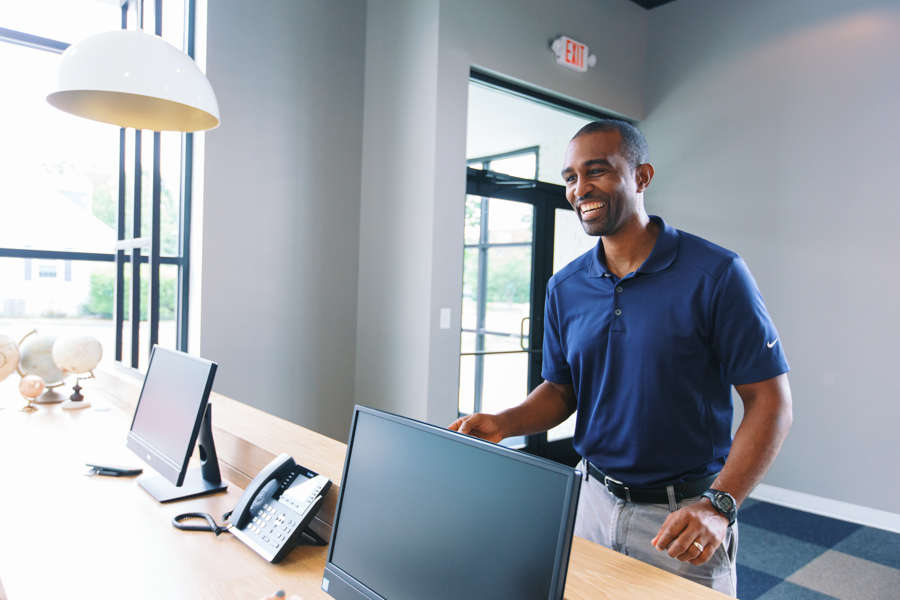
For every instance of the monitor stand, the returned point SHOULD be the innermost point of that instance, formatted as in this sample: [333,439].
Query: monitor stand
[198,481]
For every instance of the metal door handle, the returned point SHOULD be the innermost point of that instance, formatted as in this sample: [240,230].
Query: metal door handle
[522,333]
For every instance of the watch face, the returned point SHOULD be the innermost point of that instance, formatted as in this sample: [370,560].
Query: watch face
[725,501]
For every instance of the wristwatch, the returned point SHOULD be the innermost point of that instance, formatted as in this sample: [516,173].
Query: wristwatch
[724,503]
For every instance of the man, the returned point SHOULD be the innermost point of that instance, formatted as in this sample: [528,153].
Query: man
[644,337]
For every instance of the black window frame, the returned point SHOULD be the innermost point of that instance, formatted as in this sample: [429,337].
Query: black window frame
[128,250]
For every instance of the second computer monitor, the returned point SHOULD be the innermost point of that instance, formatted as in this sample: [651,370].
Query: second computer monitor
[428,513]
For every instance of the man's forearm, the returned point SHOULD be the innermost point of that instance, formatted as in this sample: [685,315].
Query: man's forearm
[546,407]
[767,419]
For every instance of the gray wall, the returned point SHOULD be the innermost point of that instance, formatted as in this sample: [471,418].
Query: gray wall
[413,188]
[280,219]
[775,130]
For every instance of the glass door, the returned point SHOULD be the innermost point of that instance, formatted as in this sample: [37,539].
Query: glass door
[519,230]
[496,309]
[508,260]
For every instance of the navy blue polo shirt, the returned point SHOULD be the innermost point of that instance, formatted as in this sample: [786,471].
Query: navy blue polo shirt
[652,356]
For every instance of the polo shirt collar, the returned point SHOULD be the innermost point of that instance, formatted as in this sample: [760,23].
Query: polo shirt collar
[661,257]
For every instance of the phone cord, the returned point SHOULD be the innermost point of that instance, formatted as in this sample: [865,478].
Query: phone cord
[211,523]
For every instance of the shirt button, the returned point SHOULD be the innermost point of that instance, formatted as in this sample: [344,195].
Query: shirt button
[620,289]
[618,312]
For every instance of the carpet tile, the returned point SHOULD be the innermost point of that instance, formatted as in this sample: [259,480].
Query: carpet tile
[876,545]
[805,526]
[848,578]
[773,553]
[752,583]
[789,591]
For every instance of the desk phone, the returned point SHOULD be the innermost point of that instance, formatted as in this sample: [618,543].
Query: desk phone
[274,513]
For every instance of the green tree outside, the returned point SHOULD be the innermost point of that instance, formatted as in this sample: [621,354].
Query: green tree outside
[508,275]
[508,270]
[103,206]
[102,288]
[102,296]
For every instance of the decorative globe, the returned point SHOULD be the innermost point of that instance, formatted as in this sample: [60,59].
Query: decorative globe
[37,359]
[77,354]
[9,356]
[31,386]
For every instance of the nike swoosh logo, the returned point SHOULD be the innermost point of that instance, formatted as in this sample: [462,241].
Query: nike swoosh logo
[772,343]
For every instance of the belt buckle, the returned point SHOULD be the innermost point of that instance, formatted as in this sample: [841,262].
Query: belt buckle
[607,479]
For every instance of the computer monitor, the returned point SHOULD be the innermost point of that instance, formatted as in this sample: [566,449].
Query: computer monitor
[425,512]
[172,411]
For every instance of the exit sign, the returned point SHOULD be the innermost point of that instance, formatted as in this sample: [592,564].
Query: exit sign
[572,53]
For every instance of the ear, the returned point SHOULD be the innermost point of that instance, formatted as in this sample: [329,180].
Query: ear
[643,175]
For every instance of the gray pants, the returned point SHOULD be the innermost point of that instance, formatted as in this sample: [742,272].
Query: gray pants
[628,527]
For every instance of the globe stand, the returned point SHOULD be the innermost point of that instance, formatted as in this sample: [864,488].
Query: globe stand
[76,401]
[30,407]
[51,396]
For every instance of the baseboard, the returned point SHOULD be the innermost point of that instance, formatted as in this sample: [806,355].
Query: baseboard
[871,517]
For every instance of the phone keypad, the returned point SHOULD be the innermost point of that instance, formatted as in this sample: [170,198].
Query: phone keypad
[279,519]
[265,526]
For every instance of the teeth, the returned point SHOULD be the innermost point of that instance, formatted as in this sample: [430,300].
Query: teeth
[588,206]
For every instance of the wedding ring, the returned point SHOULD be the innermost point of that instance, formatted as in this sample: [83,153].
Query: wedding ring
[698,546]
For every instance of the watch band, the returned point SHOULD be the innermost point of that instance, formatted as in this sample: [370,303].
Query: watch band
[724,504]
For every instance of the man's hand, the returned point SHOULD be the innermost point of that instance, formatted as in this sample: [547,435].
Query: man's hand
[548,405]
[700,523]
[481,425]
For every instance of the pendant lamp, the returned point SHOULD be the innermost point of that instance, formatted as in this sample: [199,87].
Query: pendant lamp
[133,79]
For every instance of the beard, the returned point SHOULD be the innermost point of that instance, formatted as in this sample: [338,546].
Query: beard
[608,221]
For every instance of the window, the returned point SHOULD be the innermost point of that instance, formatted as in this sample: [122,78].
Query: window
[47,271]
[87,208]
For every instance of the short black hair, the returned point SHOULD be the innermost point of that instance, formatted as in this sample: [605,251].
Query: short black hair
[634,145]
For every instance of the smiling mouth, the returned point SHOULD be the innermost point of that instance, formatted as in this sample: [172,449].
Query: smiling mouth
[591,210]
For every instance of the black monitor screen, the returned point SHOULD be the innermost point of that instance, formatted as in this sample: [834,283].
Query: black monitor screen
[428,513]
[169,410]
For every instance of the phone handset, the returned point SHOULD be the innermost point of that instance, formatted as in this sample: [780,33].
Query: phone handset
[275,471]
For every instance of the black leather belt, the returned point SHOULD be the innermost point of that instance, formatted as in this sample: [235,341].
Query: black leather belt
[656,495]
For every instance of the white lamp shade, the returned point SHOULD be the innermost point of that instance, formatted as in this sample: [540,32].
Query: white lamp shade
[133,79]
